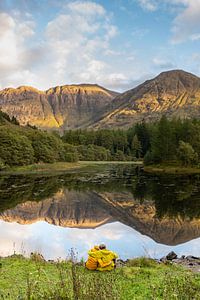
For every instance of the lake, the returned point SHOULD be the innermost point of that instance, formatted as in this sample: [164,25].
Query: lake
[133,213]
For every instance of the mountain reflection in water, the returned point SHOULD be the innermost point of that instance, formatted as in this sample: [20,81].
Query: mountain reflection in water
[157,209]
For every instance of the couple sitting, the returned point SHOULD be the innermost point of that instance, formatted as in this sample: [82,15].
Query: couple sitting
[101,259]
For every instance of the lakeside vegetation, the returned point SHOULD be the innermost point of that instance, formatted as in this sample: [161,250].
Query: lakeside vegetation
[171,146]
[171,169]
[56,168]
[141,278]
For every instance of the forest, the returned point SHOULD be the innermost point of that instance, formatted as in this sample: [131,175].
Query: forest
[160,142]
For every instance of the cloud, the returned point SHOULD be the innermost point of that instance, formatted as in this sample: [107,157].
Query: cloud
[186,25]
[72,46]
[76,42]
[195,37]
[15,31]
[150,5]
[163,63]
[87,8]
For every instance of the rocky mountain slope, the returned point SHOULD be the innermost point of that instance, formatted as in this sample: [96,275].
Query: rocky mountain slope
[91,209]
[174,93]
[63,107]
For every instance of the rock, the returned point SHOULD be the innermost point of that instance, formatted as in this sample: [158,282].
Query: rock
[120,263]
[173,93]
[51,261]
[35,256]
[65,107]
[163,259]
[190,257]
[172,255]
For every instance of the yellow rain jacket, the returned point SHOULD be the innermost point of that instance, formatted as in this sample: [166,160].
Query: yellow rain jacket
[92,262]
[104,259]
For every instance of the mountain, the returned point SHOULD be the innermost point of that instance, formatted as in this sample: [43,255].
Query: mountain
[64,107]
[90,210]
[174,93]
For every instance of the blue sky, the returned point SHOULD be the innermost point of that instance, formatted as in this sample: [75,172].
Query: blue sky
[117,43]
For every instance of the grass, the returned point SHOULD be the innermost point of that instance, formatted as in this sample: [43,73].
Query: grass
[59,167]
[171,169]
[33,279]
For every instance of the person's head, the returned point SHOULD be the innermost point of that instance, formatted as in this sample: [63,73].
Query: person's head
[102,246]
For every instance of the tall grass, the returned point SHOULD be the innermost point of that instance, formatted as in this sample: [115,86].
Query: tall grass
[141,278]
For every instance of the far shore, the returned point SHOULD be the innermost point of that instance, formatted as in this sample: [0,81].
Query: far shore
[68,167]
[171,169]
[61,167]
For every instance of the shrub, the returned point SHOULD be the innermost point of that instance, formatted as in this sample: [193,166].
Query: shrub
[148,158]
[15,149]
[186,154]
[47,147]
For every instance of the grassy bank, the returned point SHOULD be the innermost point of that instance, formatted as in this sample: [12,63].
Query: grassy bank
[59,167]
[171,169]
[22,278]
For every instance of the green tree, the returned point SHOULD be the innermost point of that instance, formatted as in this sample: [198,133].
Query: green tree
[186,154]
[70,153]
[15,149]
[136,147]
[163,141]
[47,147]
[143,134]
[119,156]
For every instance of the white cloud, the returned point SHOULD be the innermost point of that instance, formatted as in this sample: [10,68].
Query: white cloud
[75,46]
[195,37]
[163,63]
[77,41]
[150,5]
[14,31]
[186,25]
[86,8]
[72,47]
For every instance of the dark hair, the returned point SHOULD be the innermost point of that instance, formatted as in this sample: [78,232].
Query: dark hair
[102,246]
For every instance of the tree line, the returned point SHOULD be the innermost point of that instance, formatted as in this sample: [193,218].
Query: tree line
[164,141]
[160,142]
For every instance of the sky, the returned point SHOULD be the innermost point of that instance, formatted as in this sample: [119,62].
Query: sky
[114,43]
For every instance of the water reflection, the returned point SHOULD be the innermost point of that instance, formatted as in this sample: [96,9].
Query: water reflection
[164,208]
[54,242]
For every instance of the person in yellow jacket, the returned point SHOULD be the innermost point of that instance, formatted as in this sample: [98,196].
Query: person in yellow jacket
[92,262]
[103,259]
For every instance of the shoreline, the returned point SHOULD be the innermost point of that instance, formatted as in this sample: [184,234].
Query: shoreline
[189,262]
[62,167]
[171,170]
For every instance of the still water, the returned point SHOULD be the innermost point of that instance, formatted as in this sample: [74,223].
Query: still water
[134,213]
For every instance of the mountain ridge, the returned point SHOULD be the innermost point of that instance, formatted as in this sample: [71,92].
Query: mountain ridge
[167,93]
[68,106]
[175,93]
